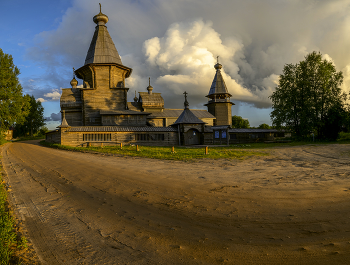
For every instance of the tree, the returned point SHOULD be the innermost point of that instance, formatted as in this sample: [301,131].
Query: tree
[239,122]
[13,106]
[335,119]
[34,120]
[306,92]
[264,126]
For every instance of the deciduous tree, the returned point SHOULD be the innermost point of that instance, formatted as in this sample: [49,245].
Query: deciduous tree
[34,120]
[264,126]
[239,122]
[305,95]
[13,106]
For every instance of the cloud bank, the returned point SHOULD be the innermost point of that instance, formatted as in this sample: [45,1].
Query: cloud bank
[176,43]
[54,117]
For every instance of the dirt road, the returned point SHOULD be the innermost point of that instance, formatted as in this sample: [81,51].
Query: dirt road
[291,207]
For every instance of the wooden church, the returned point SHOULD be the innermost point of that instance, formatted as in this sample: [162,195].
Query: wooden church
[99,112]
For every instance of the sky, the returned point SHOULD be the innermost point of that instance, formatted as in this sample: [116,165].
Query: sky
[176,44]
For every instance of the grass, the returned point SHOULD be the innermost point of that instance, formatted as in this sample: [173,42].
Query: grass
[236,151]
[10,242]
[344,137]
[181,153]
[7,234]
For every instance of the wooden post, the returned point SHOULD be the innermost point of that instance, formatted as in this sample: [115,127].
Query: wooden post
[207,150]
[121,146]
[101,145]
[89,144]
[137,148]
[173,149]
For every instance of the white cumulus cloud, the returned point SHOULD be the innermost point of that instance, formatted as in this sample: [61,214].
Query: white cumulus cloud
[40,100]
[54,95]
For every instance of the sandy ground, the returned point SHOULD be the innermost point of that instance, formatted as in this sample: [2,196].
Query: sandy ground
[291,207]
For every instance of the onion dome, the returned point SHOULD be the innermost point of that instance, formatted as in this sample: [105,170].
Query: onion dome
[74,83]
[218,66]
[100,18]
[149,88]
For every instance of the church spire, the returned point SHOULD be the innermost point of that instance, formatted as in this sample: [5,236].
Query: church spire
[218,87]
[102,48]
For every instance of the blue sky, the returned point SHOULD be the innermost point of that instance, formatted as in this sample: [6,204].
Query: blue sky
[175,42]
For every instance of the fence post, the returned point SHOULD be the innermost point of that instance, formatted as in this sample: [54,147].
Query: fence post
[121,146]
[137,148]
[101,145]
[89,144]
[206,150]
[173,149]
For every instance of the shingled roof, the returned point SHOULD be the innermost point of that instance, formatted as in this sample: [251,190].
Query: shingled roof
[218,86]
[102,48]
[187,117]
[120,129]
[175,113]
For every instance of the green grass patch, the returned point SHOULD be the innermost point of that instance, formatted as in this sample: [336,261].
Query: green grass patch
[287,144]
[344,137]
[181,153]
[7,235]
[9,240]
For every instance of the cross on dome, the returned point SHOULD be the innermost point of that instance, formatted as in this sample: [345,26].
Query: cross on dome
[186,102]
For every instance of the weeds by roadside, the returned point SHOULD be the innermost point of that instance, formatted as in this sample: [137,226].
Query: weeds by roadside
[235,151]
[181,153]
[9,240]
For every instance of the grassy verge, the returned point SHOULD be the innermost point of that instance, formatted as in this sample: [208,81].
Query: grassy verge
[9,240]
[7,235]
[288,144]
[181,153]
[236,151]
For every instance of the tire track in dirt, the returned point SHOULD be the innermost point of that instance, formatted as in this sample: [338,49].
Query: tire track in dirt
[91,209]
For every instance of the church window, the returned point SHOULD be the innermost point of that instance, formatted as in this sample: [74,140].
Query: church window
[97,137]
[217,134]
[223,134]
[149,137]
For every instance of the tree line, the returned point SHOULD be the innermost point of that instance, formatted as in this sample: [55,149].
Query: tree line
[241,123]
[21,112]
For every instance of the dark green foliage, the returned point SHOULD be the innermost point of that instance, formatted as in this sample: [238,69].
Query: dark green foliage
[43,130]
[306,93]
[334,120]
[34,120]
[13,106]
[239,122]
[264,126]
[2,138]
